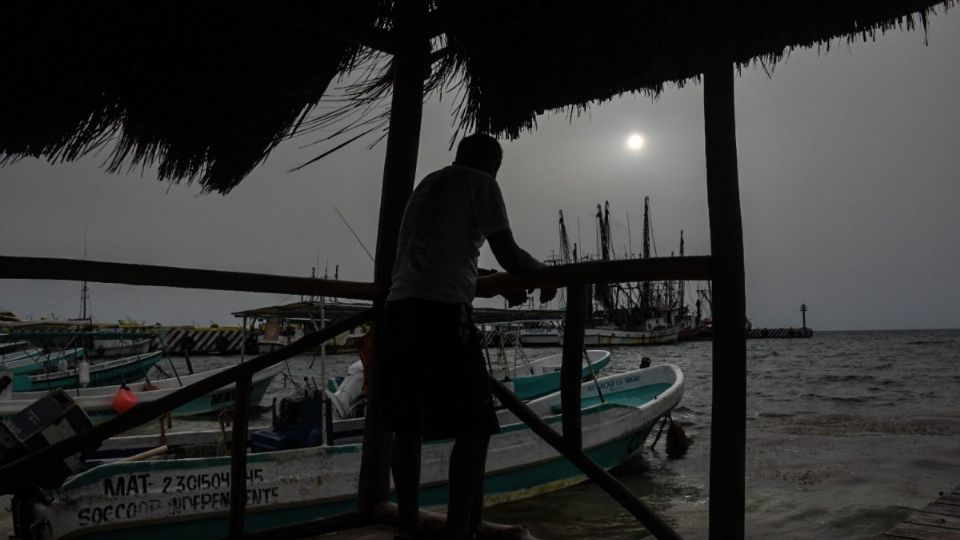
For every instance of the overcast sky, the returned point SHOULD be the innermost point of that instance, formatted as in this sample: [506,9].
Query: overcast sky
[849,175]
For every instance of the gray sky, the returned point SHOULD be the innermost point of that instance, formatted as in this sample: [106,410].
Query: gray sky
[849,166]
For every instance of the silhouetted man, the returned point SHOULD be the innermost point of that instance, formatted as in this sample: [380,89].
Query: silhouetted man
[437,386]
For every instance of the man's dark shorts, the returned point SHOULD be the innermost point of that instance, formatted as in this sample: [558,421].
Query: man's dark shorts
[436,379]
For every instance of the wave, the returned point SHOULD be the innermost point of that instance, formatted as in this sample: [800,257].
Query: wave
[841,399]
[931,342]
[857,424]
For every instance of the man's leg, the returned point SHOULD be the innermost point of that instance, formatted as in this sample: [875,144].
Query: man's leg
[406,479]
[467,468]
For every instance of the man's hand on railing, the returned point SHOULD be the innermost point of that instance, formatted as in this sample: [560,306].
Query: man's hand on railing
[516,297]
[547,294]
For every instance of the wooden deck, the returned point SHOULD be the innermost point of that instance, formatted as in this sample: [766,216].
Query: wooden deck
[939,520]
[373,532]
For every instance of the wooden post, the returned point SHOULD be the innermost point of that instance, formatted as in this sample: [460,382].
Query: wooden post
[399,173]
[571,368]
[728,428]
[238,456]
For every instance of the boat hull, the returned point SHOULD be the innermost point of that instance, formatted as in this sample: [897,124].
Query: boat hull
[35,361]
[534,386]
[98,402]
[189,498]
[118,371]
[605,337]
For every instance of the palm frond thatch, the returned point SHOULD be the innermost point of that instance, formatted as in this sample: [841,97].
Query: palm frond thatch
[202,92]
[206,90]
[555,55]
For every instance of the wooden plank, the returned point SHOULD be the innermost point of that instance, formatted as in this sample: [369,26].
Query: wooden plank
[399,173]
[655,269]
[728,408]
[941,508]
[184,278]
[570,367]
[938,520]
[934,520]
[949,498]
[922,532]
[698,268]
[342,524]
[238,456]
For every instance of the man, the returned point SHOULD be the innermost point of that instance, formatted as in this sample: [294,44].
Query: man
[437,385]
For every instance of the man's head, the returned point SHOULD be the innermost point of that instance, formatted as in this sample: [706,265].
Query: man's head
[480,151]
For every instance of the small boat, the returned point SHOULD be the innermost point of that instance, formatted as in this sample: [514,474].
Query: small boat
[119,371]
[19,352]
[542,376]
[13,347]
[117,348]
[190,498]
[97,402]
[35,360]
[600,336]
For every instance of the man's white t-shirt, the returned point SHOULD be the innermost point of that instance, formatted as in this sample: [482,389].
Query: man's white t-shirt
[447,219]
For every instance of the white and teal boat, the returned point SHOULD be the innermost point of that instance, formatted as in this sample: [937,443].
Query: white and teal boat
[97,402]
[190,498]
[119,371]
[35,360]
[13,347]
[542,376]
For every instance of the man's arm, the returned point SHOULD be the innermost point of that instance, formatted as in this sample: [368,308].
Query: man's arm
[515,260]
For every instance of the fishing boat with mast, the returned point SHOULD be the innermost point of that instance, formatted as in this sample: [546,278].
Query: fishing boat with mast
[620,314]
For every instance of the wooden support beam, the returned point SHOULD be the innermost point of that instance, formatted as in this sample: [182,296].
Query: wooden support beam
[453,15]
[728,410]
[659,528]
[698,268]
[238,456]
[331,26]
[316,527]
[656,269]
[571,367]
[186,278]
[399,173]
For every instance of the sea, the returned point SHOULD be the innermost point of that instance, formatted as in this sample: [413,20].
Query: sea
[847,433]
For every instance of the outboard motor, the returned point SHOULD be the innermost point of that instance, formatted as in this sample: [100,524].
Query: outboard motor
[48,420]
[6,385]
[298,424]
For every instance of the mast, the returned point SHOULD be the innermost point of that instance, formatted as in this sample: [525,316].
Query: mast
[645,288]
[83,301]
[565,256]
[603,294]
[681,308]
[84,291]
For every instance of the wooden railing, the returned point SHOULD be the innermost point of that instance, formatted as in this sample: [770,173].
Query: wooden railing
[574,276]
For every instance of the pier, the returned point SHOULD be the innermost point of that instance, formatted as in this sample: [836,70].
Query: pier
[256,70]
[939,520]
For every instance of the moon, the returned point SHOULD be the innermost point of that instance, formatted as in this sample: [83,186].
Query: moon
[635,142]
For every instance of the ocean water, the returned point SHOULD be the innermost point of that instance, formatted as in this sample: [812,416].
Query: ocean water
[847,432]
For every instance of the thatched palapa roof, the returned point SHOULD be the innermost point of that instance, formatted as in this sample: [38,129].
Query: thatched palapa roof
[203,91]
[554,55]
[206,90]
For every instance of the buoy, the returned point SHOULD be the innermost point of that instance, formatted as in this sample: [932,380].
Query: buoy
[124,400]
[83,372]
